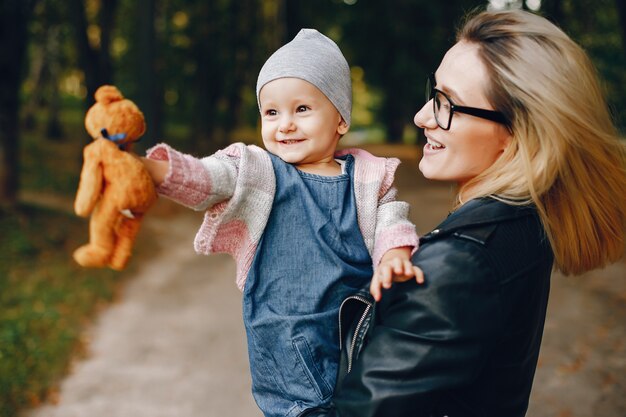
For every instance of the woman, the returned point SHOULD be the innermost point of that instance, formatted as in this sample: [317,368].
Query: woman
[515,116]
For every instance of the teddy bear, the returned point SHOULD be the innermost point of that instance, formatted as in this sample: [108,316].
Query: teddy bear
[115,188]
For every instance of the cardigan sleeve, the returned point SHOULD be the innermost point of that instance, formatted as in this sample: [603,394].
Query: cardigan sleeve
[383,220]
[193,182]
[393,227]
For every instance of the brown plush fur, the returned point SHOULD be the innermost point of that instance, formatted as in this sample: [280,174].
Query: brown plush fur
[115,188]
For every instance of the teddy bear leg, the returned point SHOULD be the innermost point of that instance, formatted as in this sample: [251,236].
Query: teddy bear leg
[97,252]
[126,233]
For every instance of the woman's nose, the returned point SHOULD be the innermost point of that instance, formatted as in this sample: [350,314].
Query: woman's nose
[425,117]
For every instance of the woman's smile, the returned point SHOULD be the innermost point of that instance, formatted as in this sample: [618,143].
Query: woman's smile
[434,145]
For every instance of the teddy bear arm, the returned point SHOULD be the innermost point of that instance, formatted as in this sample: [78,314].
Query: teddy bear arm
[90,185]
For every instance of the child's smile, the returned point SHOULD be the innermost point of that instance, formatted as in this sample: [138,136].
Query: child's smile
[290,141]
[300,125]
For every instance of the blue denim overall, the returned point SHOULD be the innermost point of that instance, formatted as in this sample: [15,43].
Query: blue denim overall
[311,256]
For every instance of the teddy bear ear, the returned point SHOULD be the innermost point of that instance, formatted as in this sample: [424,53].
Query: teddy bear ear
[93,122]
[107,94]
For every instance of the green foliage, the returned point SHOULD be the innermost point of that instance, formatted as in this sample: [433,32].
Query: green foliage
[45,302]
[408,43]
[45,298]
[596,26]
[199,60]
[41,171]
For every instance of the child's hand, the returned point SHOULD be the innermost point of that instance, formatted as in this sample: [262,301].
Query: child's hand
[157,169]
[395,266]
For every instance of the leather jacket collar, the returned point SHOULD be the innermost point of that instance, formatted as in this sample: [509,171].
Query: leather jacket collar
[478,212]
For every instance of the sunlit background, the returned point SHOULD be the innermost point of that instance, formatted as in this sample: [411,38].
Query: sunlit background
[191,66]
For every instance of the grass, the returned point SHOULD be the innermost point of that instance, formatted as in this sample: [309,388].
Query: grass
[46,300]
[53,166]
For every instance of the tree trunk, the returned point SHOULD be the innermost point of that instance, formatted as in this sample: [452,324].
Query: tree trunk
[149,100]
[95,61]
[54,129]
[621,11]
[108,9]
[553,10]
[87,56]
[275,27]
[209,78]
[14,16]
[240,59]
[38,66]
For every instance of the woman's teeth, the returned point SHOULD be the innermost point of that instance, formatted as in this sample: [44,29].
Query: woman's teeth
[435,145]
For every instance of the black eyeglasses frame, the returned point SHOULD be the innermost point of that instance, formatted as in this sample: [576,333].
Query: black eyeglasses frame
[494,116]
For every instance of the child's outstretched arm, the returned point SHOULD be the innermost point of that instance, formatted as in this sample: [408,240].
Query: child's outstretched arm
[197,183]
[395,265]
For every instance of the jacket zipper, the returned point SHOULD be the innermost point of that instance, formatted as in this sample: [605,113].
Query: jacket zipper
[358,326]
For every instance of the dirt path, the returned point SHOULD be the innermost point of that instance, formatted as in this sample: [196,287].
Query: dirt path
[174,345]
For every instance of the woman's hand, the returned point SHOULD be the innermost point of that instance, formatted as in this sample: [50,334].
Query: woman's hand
[394,266]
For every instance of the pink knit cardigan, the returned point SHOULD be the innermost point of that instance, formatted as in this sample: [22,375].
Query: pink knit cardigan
[236,187]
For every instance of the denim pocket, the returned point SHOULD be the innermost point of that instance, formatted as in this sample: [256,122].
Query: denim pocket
[311,370]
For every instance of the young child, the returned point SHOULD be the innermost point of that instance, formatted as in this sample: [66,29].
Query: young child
[305,224]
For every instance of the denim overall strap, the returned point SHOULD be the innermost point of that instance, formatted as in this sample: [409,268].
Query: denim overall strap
[311,256]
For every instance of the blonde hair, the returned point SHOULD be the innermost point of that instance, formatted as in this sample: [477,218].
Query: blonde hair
[565,156]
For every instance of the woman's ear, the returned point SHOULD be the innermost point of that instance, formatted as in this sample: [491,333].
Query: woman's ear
[503,137]
[342,129]
[506,141]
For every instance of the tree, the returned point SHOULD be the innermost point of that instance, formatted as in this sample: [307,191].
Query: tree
[47,35]
[208,74]
[149,97]
[553,10]
[398,43]
[94,58]
[599,27]
[14,18]
[239,58]
[621,11]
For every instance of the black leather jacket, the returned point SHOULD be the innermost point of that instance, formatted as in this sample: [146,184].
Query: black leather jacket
[465,343]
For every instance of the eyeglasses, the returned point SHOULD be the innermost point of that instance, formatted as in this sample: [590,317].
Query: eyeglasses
[444,107]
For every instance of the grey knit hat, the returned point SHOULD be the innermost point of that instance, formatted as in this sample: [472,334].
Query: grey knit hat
[315,58]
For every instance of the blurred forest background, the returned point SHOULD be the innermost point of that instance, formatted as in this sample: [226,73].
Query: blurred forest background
[191,66]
